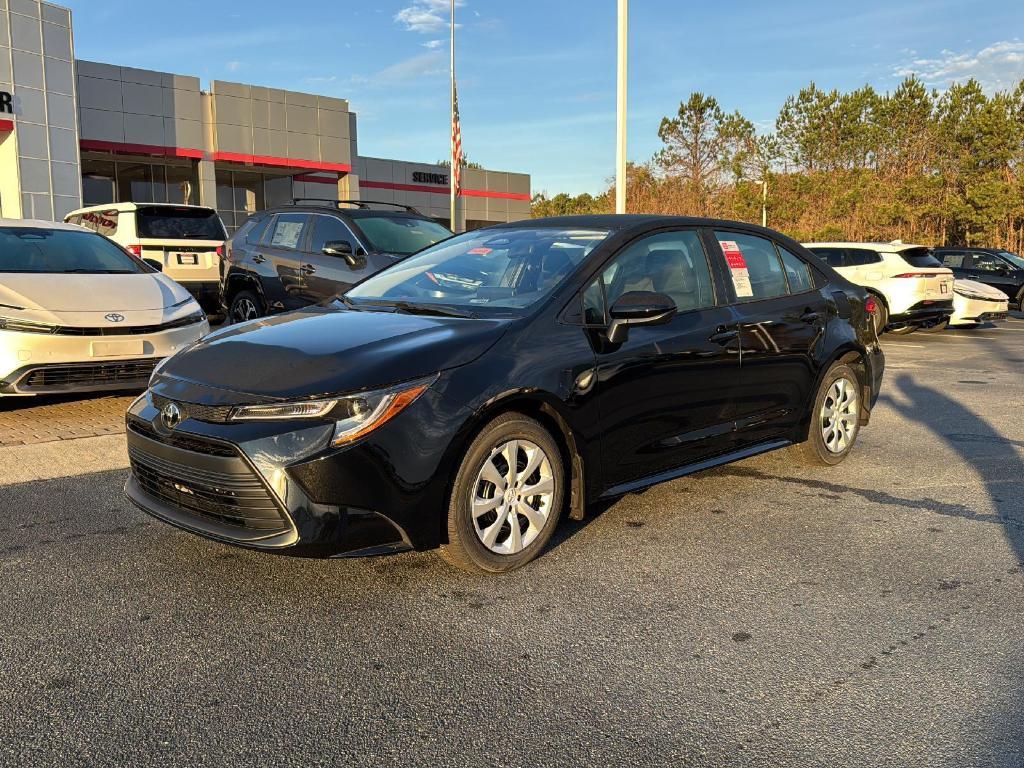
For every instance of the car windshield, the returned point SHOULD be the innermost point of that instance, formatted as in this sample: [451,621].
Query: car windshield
[1013,258]
[920,258]
[401,235]
[490,268]
[168,223]
[58,251]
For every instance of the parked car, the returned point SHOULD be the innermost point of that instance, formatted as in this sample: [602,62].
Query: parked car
[974,303]
[912,287]
[593,356]
[186,241]
[296,255]
[78,313]
[992,266]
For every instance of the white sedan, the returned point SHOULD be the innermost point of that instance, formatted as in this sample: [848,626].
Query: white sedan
[78,313]
[975,303]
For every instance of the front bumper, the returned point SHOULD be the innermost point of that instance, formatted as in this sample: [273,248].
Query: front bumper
[279,487]
[41,363]
[971,310]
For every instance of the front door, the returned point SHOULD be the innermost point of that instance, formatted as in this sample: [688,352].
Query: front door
[781,317]
[325,276]
[665,394]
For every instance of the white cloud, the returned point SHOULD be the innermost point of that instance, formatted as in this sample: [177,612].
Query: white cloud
[999,66]
[425,65]
[426,16]
[233,66]
[433,44]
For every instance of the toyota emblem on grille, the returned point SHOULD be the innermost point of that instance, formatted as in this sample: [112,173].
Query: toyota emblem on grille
[114,317]
[171,415]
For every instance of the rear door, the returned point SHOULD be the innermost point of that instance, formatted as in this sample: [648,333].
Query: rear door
[323,275]
[281,249]
[781,317]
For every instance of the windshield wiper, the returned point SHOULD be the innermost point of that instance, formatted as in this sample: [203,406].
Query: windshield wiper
[413,308]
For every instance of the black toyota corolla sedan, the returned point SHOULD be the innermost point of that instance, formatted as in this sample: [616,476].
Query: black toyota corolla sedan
[469,396]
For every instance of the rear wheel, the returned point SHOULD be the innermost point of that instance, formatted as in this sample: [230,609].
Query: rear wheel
[245,305]
[903,330]
[507,497]
[880,316]
[835,418]
[939,325]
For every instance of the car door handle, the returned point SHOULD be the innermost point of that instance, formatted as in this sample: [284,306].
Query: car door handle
[810,316]
[307,269]
[258,259]
[723,335]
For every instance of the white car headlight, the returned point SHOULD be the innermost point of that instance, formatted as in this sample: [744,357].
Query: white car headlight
[967,293]
[354,415]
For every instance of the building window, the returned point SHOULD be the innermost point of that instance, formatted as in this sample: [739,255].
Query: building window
[135,183]
[241,193]
[98,185]
[109,181]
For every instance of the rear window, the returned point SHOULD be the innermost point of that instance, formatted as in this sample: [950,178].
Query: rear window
[168,223]
[920,257]
[58,252]
[401,235]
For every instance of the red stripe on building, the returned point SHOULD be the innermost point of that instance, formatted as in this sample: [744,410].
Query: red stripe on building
[6,126]
[316,179]
[92,145]
[443,190]
[281,162]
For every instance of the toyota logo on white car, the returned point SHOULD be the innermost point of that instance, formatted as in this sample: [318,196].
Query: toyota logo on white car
[114,317]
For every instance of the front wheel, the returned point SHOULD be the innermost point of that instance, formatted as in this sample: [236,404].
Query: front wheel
[835,418]
[507,497]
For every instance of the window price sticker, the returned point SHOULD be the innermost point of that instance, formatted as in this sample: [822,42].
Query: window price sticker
[737,268]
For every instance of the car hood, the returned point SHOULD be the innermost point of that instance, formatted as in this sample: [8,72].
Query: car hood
[981,289]
[74,299]
[322,351]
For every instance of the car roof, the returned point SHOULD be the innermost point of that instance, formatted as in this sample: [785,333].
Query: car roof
[135,206]
[353,213]
[41,224]
[887,247]
[620,222]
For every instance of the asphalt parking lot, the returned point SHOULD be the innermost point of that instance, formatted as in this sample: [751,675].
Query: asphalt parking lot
[763,613]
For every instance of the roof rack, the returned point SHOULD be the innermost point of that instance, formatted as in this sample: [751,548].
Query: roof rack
[361,204]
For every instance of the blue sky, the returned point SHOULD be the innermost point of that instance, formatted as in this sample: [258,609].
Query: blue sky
[537,77]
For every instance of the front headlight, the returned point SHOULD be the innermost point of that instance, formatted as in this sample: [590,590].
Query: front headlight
[354,416]
[25,326]
[969,294]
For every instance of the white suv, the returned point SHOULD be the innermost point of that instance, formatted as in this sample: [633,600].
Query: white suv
[186,242]
[914,289]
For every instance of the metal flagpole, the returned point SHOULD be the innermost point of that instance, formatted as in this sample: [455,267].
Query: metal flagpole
[451,129]
[620,152]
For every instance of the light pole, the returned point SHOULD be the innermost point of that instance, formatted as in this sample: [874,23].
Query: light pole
[620,117]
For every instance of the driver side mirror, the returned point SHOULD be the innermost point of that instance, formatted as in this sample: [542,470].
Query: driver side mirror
[343,249]
[638,308]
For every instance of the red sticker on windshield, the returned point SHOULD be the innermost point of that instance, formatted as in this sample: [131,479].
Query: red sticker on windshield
[479,251]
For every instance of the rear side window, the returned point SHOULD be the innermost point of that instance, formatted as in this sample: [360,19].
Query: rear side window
[831,256]
[104,222]
[953,259]
[754,266]
[170,223]
[858,257]
[797,272]
[287,230]
[920,257]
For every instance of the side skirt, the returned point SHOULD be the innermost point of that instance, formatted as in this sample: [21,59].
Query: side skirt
[673,474]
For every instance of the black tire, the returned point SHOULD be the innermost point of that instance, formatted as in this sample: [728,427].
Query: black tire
[903,330]
[245,305]
[465,549]
[881,316]
[814,451]
[941,325]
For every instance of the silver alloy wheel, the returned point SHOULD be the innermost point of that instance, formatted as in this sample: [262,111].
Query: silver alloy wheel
[245,309]
[512,496]
[839,414]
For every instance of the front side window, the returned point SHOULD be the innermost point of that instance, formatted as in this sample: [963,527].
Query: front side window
[753,265]
[797,272]
[506,269]
[57,251]
[287,230]
[327,229]
[401,235]
[168,223]
[986,262]
[672,263]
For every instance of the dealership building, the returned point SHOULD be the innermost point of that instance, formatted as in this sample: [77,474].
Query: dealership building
[76,133]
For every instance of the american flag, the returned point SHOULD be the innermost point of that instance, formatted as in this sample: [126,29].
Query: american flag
[457,156]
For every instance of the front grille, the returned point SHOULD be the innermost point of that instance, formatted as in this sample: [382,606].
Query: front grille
[237,499]
[185,442]
[129,373]
[23,326]
[212,414]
